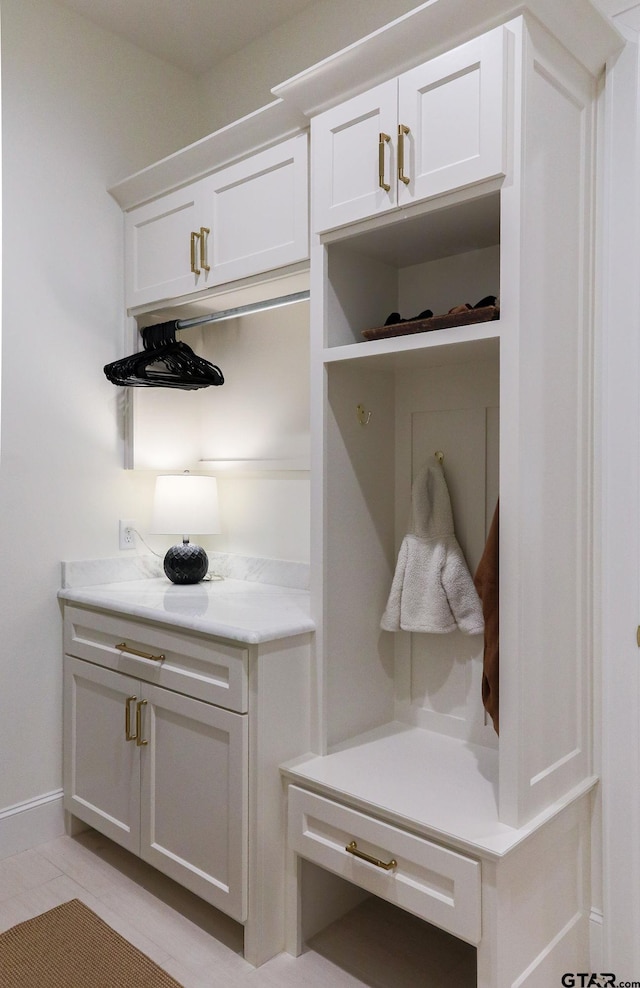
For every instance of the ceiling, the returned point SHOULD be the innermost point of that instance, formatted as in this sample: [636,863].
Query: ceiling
[191,34]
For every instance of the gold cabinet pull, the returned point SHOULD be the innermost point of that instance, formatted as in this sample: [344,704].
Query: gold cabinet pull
[382,140]
[194,252]
[123,647]
[127,718]
[402,130]
[140,741]
[204,233]
[353,848]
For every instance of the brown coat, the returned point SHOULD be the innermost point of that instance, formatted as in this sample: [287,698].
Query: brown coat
[487,584]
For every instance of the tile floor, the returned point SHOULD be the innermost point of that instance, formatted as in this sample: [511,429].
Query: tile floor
[375,945]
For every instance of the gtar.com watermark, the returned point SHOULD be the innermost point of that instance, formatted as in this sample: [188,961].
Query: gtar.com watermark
[585,979]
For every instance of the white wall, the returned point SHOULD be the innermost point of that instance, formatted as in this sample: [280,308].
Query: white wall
[618,713]
[243,82]
[81,109]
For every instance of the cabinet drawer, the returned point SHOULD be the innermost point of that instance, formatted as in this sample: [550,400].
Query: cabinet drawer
[197,666]
[440,886]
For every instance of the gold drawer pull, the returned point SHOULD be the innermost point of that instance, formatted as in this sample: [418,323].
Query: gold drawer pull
[140,741]
[127,718]
[204,233]
[382,140]
[402,130]
[194,260]
[123,647]
[353,848]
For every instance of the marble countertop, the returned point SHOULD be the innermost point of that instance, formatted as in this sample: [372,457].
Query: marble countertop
[248,610]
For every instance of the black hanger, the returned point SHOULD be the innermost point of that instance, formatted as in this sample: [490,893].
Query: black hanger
[164,363]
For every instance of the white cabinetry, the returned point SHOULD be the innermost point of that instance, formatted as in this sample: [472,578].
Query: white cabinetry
[172,744]
[163,241]
[403,734]
[436,128]
[134,785]
[242,220]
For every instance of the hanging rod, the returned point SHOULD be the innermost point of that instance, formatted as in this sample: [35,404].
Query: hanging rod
[244,310]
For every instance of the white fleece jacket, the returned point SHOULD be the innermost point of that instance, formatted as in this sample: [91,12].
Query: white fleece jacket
[432,589]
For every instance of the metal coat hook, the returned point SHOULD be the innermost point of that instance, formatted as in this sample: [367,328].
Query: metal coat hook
[364,417]
[439,455]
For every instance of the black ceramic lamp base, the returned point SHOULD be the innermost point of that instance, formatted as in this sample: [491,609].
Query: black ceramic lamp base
[186,563]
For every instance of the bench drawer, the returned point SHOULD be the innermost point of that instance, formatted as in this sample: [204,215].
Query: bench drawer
[439,885]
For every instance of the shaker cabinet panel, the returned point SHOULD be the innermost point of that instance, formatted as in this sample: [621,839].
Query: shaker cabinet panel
[163,242]
[354,158]
[434,129]
[453,110]
[259,212]
[196,759]
[101,768]
[163,775]
[245,219]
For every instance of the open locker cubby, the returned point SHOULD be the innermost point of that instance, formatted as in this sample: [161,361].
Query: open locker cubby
[507,402]
[404,752]
[390,405]
[444,257]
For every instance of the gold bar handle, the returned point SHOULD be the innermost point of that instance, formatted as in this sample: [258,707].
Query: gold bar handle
[194,253]
[382,140]
[402,130]
[353,848]
[140,741]
[127,718]
[123,647]
[204,233]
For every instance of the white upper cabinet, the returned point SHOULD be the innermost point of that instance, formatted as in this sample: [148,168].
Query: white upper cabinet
[245,219]
[258,212]
[453,110]
[163,247]
[434,129]
[353,158]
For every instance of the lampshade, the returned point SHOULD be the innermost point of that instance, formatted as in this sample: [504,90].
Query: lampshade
[186,504]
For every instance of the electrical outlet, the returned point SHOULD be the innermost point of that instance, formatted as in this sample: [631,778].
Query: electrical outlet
[127,534]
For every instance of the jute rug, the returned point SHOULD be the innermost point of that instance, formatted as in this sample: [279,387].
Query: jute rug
[71,947]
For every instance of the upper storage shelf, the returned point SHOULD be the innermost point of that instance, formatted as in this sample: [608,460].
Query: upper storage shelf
[447,255]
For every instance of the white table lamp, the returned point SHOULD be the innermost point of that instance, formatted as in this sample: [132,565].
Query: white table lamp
[186,503]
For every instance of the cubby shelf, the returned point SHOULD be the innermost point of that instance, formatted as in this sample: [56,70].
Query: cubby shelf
[444,346]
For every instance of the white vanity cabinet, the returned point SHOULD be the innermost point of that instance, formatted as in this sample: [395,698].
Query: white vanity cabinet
[247,218]
[435,128]
[172,742]
[140,746]
[138,755]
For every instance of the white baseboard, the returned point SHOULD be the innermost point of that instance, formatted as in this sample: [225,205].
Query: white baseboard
[596,939]
[33,822]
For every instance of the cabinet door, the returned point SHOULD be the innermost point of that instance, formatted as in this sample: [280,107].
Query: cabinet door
[101,767]
[159,237]
[348,179]
[259,212]
[194,797]
[453,107]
